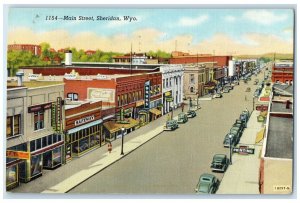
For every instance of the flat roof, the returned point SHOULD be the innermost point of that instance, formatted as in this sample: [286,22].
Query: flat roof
[280,138]
[281,107]
[284,88]
[34,84]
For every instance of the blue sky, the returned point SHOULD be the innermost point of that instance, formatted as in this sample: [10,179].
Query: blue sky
[200,25]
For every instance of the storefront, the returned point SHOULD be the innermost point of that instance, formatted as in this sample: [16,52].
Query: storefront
[83,129]
[112,129]
[82,139]
[12,173]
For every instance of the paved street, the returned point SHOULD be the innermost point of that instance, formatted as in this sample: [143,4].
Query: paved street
[173,161]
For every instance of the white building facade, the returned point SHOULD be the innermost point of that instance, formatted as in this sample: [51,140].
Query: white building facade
[172,86]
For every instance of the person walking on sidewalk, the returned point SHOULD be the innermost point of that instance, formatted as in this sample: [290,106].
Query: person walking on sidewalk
[109,147]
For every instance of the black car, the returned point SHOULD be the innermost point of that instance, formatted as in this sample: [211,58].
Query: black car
[219,163]
[191,113]
[235,140]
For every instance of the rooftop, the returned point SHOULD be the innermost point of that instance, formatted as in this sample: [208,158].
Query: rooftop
[281,107]
[283,89]
[280,138]
[33,84]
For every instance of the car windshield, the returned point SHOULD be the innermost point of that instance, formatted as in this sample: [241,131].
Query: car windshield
[204,179]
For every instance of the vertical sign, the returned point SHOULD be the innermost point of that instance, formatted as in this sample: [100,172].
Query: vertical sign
[147,95]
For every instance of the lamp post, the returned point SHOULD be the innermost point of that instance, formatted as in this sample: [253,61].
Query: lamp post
[230,148]
[197,100]
[122,129]
[172,106]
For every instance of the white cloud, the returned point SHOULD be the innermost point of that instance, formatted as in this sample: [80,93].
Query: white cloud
[264,17]
[230,18]
[186,21]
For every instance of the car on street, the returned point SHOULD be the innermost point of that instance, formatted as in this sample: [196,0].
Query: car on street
[235,130]
[226,142]
[171,125]
[191,113]
[182,118]
[248,89]
[207,184]
[217,95]
[239,123]
[245,115]
[226,90]
[236,82]
[256,93]
[229,86]
[219,163]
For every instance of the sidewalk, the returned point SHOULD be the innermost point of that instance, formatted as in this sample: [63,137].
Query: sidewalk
[242,177]
[68,176]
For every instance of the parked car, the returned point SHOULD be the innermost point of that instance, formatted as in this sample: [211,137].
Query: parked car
[217,95]
[226,90]
[248,89]
[191,114]
[171,125]
[238,123]
[256,93]
[236,82]
[207,184]
[182,118]
[235,130]
[245,115]
[219,163]
[226,142]
[229,86]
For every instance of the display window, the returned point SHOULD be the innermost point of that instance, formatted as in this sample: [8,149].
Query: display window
[56,156]
[11,175]
[36,165]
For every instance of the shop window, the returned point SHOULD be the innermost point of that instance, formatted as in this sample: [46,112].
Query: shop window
[38,120]
[58,137]
[72,96]
[36,165]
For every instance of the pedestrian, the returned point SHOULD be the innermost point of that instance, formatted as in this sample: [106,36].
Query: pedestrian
[109,146]
[182,107]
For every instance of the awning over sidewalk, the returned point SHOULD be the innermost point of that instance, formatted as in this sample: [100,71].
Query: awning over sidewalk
[155,111]
[113,127]
[260,135]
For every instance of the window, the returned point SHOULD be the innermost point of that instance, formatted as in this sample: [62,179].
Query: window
[119,101]
[44,141]
[32,145]
[38,144]
[38,120]
[163,83]
[72,96]
[50,140]
[192,89]
[192,78]
[167,84]
[13,125]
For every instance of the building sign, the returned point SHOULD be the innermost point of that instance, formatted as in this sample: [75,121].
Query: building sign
[105,95]
[84,120]
[40,107]
[17,154]
[243,150]
[147,95]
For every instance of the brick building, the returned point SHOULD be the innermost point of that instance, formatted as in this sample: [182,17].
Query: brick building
[183,58]
[34,49]
[283,72]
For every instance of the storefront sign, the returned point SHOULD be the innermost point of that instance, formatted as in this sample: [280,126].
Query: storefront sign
[17,154]
[84,120]
[40,107]
[243,150]
[147,95]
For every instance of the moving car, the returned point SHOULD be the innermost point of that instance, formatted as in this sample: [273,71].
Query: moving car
[171,125]
[182,118]
[219,163]
[226,142]
[217,95]
[208,184]
[191,114]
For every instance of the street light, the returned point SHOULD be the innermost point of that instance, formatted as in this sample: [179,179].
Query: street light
[172,106]
[230,148]
[122,129]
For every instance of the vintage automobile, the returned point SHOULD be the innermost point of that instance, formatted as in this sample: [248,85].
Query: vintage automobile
[219,163]
[236,82]
[245,115]
[235,130]
[191,114]
[239,123]
[182,118]
[226,90]
[171,125]
[256,93]
[207,184]
[217,95]
[229,86]
[226,142]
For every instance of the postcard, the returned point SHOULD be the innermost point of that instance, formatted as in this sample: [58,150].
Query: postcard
[149,101]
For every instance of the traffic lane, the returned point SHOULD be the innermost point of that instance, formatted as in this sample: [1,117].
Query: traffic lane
[173,161]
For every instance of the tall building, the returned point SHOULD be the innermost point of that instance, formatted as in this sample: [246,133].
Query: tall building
[34,49]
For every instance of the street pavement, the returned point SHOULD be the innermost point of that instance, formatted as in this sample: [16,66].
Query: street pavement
[169,164]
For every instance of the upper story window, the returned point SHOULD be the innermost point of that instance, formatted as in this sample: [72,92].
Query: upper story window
[192,78]
[72,96]
[163,83]
[39,122]
[167,83]
[13,125]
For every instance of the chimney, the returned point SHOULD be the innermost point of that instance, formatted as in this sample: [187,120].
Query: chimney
[68,57]
[19,76]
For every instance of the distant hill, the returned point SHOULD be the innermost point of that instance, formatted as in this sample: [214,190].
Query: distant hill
[268,56]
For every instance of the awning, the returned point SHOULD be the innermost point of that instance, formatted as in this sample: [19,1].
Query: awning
[260,135]
[73,130]
[155,111]
[113,127]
